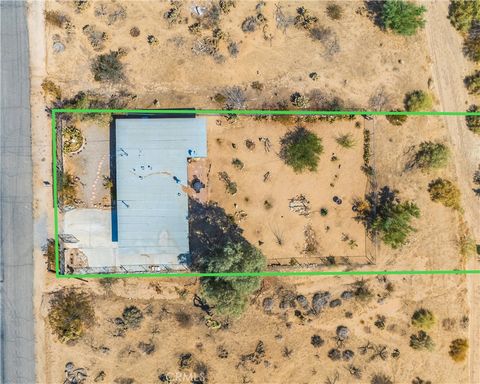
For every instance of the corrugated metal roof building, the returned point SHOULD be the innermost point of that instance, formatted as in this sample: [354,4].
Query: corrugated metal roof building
[150,220]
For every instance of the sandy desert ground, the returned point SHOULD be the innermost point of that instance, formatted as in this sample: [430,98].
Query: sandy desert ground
[358,63]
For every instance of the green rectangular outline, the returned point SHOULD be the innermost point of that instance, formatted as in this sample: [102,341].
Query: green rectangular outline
[56,111]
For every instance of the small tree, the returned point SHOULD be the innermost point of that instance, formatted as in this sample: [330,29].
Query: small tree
[445,192]
[229,295]
[472,82]
[71,313]
[301,149]
[471,45]
[403,17]
[431,155]
[458,349]
[421,341]
[108,68]
[423,318]
[473,121]
[387,216]
[418,101]
[462,14]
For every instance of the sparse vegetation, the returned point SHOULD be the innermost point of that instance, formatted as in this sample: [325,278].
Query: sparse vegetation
[108,67]
[431,155]
[229,295]
[387,216]
[230,186]
[51,89]
[132,316]
[301,149]
[458,350]
[71,313]
[418,101]
[403,17]
[423,319]
[445,192]
[56,18]
[471,44]
[380,378]
[72,139]
[67,191]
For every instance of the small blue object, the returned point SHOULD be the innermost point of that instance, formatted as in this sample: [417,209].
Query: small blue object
[190,152]
[177,180]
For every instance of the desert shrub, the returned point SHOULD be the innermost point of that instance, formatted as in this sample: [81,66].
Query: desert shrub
[386,215]
[108,67]
[418,101]
[462,14]
[403,17]
[229,295]
[472,82]
[184,319]
[346,141]
[431,155]
[473,121]
[445,192]
[471,45]
[134,32]
[301,149]
[317,341]
[132,316]
[458,349]
[423,318]
[51,89]
[380,378]
[72,139]
[421,341]
[230,186]
[67,191]
[304,19]
[396,119]
[71,313]
[334,11]
[234,98]
[237,163]
[49,253]
[299,100]
[55,18]
[362,291]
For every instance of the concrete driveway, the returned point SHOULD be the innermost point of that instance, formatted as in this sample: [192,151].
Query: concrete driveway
[16,228]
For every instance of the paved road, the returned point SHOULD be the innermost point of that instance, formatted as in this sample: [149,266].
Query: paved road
[449,69]
[16,260]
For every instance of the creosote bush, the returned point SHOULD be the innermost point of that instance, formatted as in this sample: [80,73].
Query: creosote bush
[108,67]
[301,149]
[403,17]
[346,141]
[445,192]
[423,318]
[471,45]
[463,13]
[421,341]
[132,316]
[458,349]
[473,122]
[431,155]
[418,101]
[472,82]
[396,119]
[334,11]
[71,313]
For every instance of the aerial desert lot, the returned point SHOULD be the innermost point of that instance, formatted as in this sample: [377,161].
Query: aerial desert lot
[386,207]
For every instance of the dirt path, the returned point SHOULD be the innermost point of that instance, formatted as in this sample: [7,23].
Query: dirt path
[449,67]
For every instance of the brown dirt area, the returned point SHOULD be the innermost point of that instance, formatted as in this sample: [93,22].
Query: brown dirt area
[168,74]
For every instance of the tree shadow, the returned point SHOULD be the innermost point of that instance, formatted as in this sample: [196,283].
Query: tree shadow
[375,10]
[210,228]
[377,202]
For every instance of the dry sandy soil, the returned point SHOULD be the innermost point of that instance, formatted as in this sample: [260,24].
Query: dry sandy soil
[369,62]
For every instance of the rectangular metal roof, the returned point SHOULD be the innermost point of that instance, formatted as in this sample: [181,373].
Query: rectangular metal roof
[151,175]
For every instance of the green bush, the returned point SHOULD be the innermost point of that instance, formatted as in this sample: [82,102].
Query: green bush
[431,155]
[108,67]
[458,349]
[472,83]
[229,295]
[301,149]
[445,192]
[71,313]
[418,101]
[403,17]
[471,46]
[423,318]
[346,141]
[386,215]
[473,121]
[462,13]
[396,119]
[421,341]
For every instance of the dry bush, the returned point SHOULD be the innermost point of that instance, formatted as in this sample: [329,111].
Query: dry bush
[458,349]
[445,192]
[56,18]
[108,67]
[51,89]
[71,313]
[423,318]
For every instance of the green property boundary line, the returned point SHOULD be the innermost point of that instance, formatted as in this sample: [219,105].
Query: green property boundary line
[56,111]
